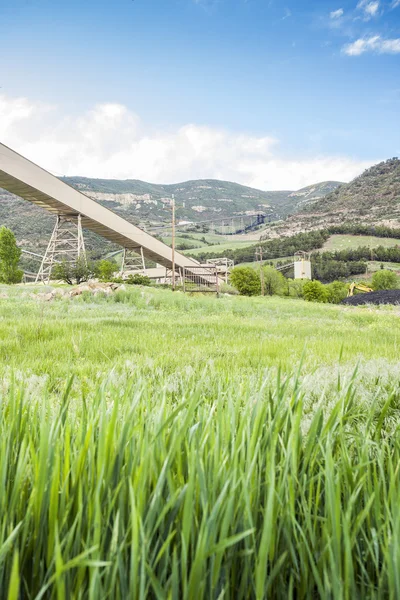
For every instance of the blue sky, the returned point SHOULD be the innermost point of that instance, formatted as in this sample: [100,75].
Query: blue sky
[267,93]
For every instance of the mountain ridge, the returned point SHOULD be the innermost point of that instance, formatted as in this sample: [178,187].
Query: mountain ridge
[146,204]
[371,198]
[196,199]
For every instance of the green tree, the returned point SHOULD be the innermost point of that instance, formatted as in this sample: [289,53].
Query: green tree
[274,282]
[105,270]
[315,291]
[9,257]
[296,287]
[246,280]
[384,280]
[337,291]
[74,273]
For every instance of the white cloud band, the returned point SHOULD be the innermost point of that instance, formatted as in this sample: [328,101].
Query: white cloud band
[370,8]
[337,14]
[375,44]
[110,141]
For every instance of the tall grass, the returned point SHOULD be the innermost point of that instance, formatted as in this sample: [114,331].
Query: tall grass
[183,460]
[88,335]
[211,488]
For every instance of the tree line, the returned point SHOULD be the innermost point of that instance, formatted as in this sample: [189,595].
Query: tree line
[314,240]
[359,229]
[364,253]
[267,281]
[286,246]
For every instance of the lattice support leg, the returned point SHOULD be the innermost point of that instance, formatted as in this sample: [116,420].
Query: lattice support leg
[66,243]
[132,262]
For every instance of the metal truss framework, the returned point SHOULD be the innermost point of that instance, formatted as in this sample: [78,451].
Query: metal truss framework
[168,279]
[202,278]
[27,180]
[132,262]
[224,266]
[66,243]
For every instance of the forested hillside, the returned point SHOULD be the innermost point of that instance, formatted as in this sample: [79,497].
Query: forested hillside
[144,204]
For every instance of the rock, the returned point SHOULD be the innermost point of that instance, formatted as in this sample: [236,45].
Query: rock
[75,292]
[45,297]
[59,292]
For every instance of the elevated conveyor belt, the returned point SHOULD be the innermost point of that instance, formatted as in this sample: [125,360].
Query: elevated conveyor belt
[23,178]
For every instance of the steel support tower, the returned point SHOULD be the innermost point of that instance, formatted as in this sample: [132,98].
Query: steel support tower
[66,244]
[132,262]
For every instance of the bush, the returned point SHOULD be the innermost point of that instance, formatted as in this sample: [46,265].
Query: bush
[274,281]
[337,291]
[74,273]
[315,291]
[296,287]
[9,257]
[138,279]
[105,270]
[384,280]
[246,280]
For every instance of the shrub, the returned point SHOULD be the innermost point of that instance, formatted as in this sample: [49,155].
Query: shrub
[274,281]
[336,291]
[76,272]
[105,270]
[296,287]
[246,280]
[9,257]
[384,280]
[315,291]
[138,279]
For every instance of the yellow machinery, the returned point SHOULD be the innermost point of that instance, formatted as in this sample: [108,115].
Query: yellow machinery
[358,286]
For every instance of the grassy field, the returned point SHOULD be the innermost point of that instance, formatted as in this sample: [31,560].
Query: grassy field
[230,245]
[226,242]
[344,242]
[376,266]
[214,241]
[221,242]
[193,243]
[215,238]
[154,445]
[372,267]
[211,238]
[274,261]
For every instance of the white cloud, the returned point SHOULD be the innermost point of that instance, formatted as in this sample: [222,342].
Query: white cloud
[110,141]
[207,5]
[395,3]
[375,44]
[370,8]
[337,14]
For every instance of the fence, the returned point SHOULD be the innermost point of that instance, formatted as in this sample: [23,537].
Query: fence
[202,278]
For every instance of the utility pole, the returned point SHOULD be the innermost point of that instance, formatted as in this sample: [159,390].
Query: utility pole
[259,257]
[173,242]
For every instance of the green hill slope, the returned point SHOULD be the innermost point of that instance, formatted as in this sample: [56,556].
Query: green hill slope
[198,200]
[371,198]
[145,203]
